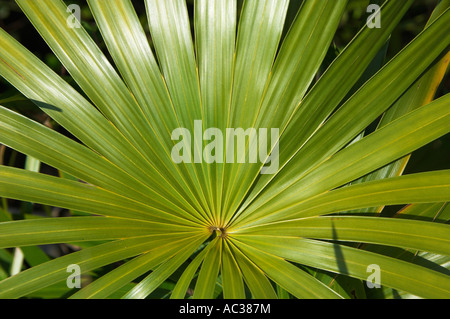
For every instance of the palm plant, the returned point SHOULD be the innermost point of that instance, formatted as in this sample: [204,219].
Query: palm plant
[311,230]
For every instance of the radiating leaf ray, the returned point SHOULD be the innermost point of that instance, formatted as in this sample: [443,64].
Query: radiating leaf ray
[294,69]
[171,32]
[215,27]
[206,282]
[58,99]
[415,188]
[76,229]
[377,95]
[370,153]
[288,276]
[105,88]
[44,189]
[338,79]
[233,285]
[254,277]
[29,137]
[87,259]
[394,273]
[418,235]
[159,275]
[127,42]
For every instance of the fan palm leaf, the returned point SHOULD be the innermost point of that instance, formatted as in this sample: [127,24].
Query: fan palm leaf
[201,222]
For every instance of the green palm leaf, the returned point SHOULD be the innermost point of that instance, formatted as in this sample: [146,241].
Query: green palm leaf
[202,229]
